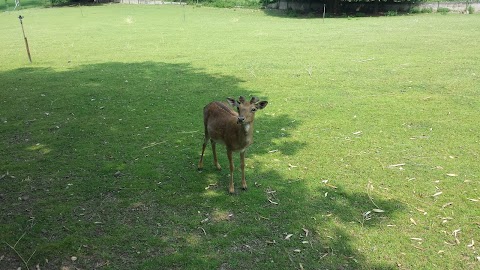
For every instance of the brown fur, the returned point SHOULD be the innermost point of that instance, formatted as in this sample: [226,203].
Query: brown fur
[233,129]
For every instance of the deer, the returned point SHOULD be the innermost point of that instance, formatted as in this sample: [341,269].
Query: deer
[232,128]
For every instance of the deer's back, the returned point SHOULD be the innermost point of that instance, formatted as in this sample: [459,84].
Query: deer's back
[221,126]
[218,112]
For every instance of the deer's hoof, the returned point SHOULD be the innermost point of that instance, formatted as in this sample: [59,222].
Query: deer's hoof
[244,184]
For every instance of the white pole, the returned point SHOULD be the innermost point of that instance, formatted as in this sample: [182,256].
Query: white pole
[323,13]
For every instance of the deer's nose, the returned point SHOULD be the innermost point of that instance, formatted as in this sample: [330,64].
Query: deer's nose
[240,119]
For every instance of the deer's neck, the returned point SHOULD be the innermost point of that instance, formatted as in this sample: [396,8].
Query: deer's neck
[246,133]
[248,128]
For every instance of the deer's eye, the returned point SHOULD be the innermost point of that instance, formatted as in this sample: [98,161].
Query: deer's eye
[254,109]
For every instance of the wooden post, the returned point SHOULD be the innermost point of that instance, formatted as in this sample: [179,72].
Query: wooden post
[26,41]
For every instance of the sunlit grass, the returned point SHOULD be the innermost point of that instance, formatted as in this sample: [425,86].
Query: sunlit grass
[366,156]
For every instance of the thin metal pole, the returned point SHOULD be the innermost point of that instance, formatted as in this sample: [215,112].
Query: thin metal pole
[181,3]
[26,41]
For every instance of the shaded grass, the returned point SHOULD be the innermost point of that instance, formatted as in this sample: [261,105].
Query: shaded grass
[101,136]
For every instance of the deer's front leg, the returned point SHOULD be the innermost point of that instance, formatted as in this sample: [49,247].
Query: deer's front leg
[230,160]
[242,166]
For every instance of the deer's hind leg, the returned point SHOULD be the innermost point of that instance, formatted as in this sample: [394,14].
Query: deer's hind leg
[214,150]
[205,142]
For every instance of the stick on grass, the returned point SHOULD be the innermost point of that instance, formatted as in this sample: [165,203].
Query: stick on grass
[25,262]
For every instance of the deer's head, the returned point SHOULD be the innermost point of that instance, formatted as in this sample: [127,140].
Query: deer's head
[246,110]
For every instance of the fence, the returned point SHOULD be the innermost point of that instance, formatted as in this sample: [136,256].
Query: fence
[373,6]
[453,6]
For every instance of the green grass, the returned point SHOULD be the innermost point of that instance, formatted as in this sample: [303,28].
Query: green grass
[101,134]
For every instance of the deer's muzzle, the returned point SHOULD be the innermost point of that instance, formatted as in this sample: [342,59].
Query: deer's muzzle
[240,120]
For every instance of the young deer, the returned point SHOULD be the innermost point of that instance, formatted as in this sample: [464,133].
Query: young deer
[233,129]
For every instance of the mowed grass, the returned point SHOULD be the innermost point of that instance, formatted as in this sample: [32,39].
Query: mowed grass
[365,158]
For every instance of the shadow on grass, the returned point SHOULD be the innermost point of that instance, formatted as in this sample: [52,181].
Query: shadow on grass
[99,171]
[295,227]
[294,14]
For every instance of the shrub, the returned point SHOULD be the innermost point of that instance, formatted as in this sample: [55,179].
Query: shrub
[427,10]
[292,13]
[415,10]
[391,13]
[443,10]
[59,2]
[229,3]
[222,4]
[470,9]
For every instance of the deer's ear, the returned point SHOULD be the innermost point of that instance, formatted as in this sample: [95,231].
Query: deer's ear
[241,99]
[262,104]
[232,102]
[254,100]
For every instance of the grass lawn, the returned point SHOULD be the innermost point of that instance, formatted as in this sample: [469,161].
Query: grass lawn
[367,156]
